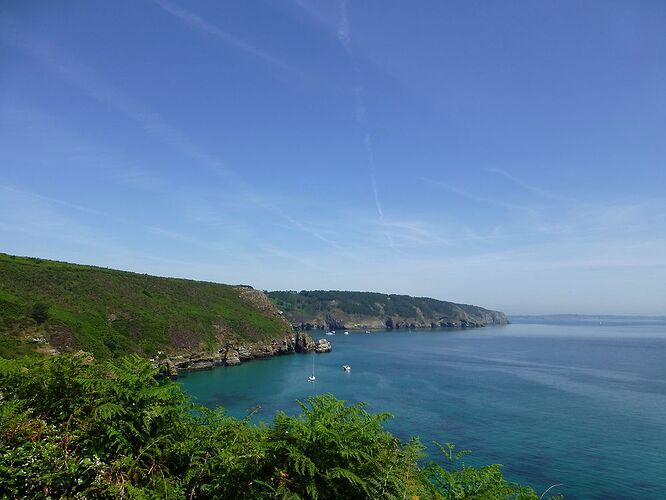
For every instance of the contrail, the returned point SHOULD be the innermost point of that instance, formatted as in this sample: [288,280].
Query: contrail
[344,36]
[203,27]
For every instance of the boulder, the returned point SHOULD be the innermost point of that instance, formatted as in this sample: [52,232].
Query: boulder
[231,358]
[323,345]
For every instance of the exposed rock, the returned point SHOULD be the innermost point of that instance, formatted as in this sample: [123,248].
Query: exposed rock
[244,353]
[323,345]
[231,358]
[283,346]
[262,351]
[333,323]
[304,342]
[202,364]
[231,354]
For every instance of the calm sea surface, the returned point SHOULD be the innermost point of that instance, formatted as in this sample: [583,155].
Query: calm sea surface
[579,404]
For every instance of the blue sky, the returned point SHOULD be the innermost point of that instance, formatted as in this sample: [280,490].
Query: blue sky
[506,154]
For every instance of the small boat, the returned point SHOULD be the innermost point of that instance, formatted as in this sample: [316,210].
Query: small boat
[330,333]
[346,333]
[346,368]
[367,331]
[312,377]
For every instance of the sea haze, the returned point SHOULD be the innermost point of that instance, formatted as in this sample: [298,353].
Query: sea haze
[579,404]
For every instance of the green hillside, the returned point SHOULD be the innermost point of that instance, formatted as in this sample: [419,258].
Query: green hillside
[47,306]
[342,309]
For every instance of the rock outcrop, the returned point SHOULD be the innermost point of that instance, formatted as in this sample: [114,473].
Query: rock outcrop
[232,354]
[323,345]
[304,342]
[231,358]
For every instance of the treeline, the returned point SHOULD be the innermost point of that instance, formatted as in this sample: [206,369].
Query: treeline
[72,427]
[362,303]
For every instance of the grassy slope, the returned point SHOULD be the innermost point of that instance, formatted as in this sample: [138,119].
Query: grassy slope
[109,312]
[306,305]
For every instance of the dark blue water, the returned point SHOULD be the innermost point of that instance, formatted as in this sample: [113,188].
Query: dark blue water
[583,405]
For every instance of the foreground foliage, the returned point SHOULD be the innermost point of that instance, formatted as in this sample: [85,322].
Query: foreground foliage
[72,427]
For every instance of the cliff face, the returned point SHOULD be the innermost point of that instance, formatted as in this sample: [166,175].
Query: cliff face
[337,310]
[235,353]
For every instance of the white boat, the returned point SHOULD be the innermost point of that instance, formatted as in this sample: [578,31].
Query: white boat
[346,368]
[330,333]
[346,333]
[312,377]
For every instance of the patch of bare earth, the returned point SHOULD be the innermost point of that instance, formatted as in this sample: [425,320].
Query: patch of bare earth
[61,337]
[183,339]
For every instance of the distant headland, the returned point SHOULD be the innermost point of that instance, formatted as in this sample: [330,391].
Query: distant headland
[319,309]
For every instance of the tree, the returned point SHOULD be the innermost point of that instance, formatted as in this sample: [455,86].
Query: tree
[39,312]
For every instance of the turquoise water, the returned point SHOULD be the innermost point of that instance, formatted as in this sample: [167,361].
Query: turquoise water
[583,405]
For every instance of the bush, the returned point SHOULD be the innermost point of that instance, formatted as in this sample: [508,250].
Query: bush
[40,312]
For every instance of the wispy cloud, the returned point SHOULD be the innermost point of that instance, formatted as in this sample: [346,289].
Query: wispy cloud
[477,198]
[86,81]
[200,25]
[529,187]
[91,85]
[29,195]
[34,215]
[203,27]
[344,37]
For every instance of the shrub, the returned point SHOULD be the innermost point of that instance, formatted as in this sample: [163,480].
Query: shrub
[39,312]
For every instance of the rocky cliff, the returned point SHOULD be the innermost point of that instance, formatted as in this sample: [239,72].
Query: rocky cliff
[234,353]
[337,310]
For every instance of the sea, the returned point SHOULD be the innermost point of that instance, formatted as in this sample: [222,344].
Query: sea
[578,404]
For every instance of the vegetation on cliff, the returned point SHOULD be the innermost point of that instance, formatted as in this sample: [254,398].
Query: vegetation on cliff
[47,305]
[71,427]
[342,309]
